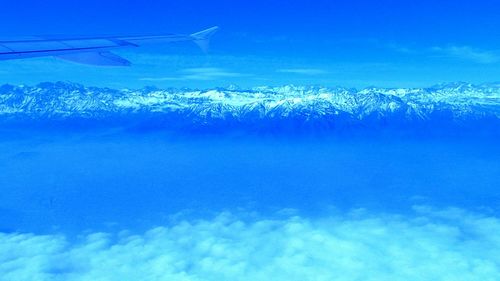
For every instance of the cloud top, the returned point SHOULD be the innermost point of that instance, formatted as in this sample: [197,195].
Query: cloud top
[449,244]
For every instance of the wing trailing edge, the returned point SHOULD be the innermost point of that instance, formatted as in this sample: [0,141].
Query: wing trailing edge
[96,50]
[96,58]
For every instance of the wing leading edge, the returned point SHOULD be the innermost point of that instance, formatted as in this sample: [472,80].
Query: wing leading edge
[94,51]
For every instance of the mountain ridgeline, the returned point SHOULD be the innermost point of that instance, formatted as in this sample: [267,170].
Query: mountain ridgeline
[457,106]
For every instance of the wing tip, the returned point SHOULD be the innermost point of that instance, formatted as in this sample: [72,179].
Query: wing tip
[202,38]
[205,34]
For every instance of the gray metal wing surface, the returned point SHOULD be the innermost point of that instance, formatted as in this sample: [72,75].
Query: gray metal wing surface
[93,51]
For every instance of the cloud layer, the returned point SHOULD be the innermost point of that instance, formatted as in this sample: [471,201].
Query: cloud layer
[204,73]
[449,244]
[468,54]
[455,52]
[303,71]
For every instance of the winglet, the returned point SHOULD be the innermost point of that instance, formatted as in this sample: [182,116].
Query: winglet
[202,38]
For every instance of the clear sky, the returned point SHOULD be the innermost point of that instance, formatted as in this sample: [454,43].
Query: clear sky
[347,43]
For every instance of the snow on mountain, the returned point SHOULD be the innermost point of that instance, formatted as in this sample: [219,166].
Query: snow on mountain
[457,102]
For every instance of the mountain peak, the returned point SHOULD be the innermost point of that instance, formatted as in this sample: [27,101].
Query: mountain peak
[455,102]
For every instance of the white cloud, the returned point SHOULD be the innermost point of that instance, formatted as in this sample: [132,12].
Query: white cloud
[468,53]
[206,73]
[465,53]
[450,244]
[303,71]
[400,49]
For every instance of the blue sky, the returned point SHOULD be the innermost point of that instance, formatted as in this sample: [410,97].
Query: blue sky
[347,43]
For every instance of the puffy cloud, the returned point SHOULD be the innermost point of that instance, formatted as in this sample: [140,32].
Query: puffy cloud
[450,244]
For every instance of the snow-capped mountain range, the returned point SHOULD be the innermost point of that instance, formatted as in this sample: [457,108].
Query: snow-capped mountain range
[286,105]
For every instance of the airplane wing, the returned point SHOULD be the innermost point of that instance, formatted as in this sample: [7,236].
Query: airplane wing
[93,51]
